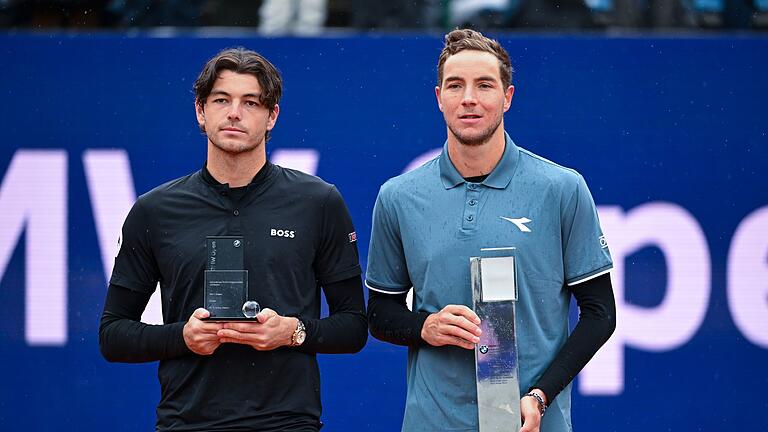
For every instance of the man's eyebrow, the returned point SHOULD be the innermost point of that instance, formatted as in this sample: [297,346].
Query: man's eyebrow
[486,78]
[224,93]
[481,78]
[453,78]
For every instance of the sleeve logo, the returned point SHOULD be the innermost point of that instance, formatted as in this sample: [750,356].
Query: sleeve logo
[603,242]
[352,236]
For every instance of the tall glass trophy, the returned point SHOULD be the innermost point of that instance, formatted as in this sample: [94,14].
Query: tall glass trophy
[494,293]
[225,293]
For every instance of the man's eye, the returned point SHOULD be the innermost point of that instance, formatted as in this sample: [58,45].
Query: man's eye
[252,103]
[219,101]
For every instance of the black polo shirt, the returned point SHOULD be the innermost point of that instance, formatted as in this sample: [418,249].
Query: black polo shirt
[298,235]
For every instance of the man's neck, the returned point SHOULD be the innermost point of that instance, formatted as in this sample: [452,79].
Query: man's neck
[235,169]
[476,160]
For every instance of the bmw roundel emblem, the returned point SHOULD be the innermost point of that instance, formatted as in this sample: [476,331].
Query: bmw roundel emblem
[483,349]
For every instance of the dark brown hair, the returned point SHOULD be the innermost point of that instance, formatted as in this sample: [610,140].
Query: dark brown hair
[242,61]
[466,39]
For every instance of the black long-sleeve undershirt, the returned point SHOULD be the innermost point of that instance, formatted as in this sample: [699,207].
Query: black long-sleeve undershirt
[123,338]
[391,321]
[597,321]
[345,329]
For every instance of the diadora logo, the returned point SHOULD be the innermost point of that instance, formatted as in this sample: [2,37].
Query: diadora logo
[282,233]
[519,223]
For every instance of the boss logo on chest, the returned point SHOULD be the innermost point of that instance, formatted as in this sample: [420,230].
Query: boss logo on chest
[282,233]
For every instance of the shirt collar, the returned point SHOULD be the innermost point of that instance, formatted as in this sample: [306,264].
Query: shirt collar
[259,178]
[499,177]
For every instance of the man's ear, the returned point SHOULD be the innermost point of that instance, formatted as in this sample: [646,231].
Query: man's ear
[437,95]
[508,97]
[200,114]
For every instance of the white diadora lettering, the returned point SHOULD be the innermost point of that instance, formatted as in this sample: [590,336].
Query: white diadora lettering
[519,223]
[282,233]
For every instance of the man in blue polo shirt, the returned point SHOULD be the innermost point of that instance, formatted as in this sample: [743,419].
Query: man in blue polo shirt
[484,191]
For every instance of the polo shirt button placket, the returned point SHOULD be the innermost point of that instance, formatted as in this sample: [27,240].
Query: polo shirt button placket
[470,208]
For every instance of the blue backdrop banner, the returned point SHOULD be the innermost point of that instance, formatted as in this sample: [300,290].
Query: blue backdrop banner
[670,134]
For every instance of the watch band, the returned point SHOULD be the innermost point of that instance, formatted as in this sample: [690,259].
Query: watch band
[299,334]
[542,405]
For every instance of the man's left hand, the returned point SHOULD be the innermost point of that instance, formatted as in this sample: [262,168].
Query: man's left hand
[529,411]
[270,331]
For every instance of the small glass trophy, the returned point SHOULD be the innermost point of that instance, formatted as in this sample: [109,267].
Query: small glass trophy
[225,294]
[494,293]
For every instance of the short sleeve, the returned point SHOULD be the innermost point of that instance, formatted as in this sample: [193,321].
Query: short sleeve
[585,251]
[337,257]
[387,271]
[135,265]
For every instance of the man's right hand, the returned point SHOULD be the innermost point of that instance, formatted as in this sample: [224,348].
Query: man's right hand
[454,325]
[200,336]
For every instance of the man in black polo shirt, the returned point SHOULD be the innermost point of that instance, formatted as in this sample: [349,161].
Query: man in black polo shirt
[297,236]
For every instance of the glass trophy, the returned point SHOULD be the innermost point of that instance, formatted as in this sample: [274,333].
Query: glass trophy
[225,293]
[494,293]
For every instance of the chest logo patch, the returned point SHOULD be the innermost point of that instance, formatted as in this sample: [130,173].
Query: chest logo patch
[282,233]
[519,223]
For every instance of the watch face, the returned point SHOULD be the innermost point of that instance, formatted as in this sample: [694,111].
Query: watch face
[300,337]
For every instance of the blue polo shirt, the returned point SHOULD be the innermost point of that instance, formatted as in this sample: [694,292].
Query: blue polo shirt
[427,223]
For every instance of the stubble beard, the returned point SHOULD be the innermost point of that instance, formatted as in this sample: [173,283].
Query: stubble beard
[237,147]
[478,140]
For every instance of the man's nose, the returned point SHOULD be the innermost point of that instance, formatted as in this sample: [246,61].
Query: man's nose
[468,98]
[234,112]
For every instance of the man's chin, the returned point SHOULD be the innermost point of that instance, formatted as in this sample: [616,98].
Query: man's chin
[473,140]
[234,147]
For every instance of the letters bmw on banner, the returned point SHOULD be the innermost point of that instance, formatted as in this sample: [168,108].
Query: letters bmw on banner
[673,145]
